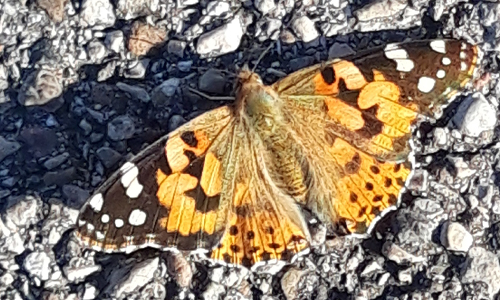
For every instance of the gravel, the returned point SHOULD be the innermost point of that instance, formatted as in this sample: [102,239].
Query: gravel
[86,84]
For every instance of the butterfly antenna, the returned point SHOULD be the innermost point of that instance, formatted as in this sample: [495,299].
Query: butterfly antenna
[262,56]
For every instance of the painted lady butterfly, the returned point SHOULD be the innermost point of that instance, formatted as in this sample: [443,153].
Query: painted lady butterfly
[332,139]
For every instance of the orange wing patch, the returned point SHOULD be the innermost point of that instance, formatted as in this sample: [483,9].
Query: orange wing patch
[258,231]
[366,187]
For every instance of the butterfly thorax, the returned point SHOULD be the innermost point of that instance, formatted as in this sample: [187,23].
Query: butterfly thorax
[260,108]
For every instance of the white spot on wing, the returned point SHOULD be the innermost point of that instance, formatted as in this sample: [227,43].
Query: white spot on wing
[390,47]
[426,84]
[440,74]
[81,223]
[134,189]
[396,54]
[438,46]
[105,218]
[119,223]
[463,66]
[99,235]
[129,173]
[446,61]
[96,202]
[137,217]
[463,55]
[404,65]
[90,227]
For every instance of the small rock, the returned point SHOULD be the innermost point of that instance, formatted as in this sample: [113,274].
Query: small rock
[213,82]
[455,237]
[37,264]
[380,9]
[482,266]
[22,212]
[144,37]
[304,29]
[175,121]
[39,88]
[108,156]
[132,9]
[97,51]
[74,195]
[85,126]
[179,269]
[162,94]
[54,8]
[338,50]
[90,292]
[55,162]
[59,177]
[136,92]
[223,39]
[176,47]
[137,69]
[76,274]
[398,255]
[115,41]
[290,282]
[213,291]
[14,243]
[99,13]
[265,6]
[7,148]
[475,116]
[121,128]
[138,277]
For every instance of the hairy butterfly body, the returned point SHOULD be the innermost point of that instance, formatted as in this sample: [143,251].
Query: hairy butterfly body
[332,139]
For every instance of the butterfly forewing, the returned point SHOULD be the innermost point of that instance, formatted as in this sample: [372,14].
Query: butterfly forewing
[332,138]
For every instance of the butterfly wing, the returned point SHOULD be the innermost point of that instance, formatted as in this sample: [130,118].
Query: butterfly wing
[361,111]
[200,187]
[167,196]
[265,224]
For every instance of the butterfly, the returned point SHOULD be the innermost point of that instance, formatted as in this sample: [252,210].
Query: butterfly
[332,139]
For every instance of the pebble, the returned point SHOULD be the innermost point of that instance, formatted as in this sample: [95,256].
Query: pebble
[115,41]
[176,47]
[482,266]
[8,147]
[223,39]
[108,156]
[475,115]
[97,13]
[455,237]
[55,162]
[96,51]
[212,82]
[37,264]
[399,255]
[144,37]
[121,128]
[162,95]
[139,276]
[75,196]
[54,8]
[179,269]
[135,91]
[290,283]
[304,29]
[132,9]
[265,6]
[39,88]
